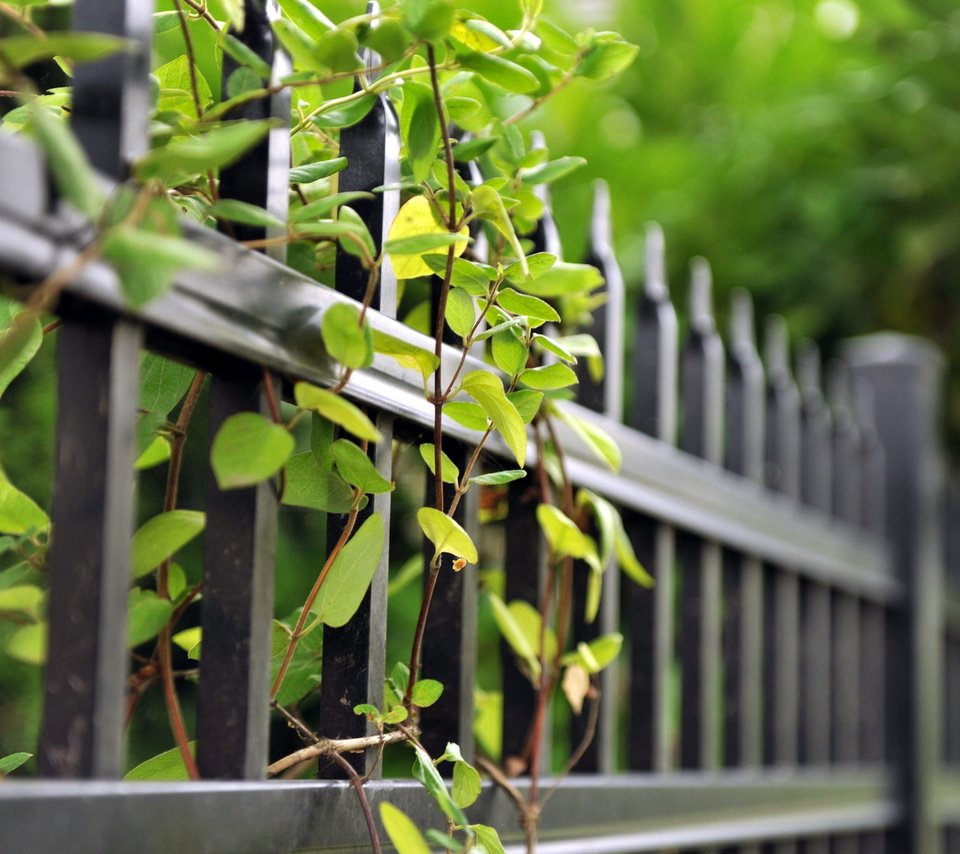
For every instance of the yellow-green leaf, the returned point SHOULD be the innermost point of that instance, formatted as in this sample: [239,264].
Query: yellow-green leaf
[418,217]
[487,390]
[337,409]
[19,513]
[446,534]
[350,574]
[163,536]
[449,472]
[344,338]
[248,449]
[402,831]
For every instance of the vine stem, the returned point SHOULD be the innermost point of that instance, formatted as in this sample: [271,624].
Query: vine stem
[164,653]
[311,597]
[191,61]
[328,746]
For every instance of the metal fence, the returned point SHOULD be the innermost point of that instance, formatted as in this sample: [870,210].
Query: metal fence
[790,685]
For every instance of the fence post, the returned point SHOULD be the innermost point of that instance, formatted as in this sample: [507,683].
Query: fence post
[903,375]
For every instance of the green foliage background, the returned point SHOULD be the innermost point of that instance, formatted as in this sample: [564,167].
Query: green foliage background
[810,150]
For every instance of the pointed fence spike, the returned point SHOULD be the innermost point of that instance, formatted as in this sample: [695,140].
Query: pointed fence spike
[656,265]
[808,367]
[742,334]
[838,387]
[701,295]
[776,345]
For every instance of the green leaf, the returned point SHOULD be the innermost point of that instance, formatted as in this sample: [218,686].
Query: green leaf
[549,344]
[474,278]
[408,355]
[446,535]
[585,345]
[595,438]
[12,761]
[426,692]
[344,338]
[464,152]
[346,115]
[466,786]
[562,279]
[402,831]
[368,711]
[163,536]
[537,265]
[311,172]
[552,376]
[468,415]
[357,469]
[398,714]
[183,158]
[350,574]
[527,403]
[564,537]
[425,771]
[166,766]
[496,478]
[322,207]
[244,56]
[429,19]
[22,598]
[189,641]
[19,342]
[147,613]
[336,408]
[488,840]
[509,353]
[606,57]
[420,244]
[19,513]
[303,675]
[29,644]
[244,213]
[488,205]
[163,383]
[419,128]
[487,390]
[68,162]
[176,82]
[308,484]
[248,449]
[627,559]
[337,50]
[449,472]
[307,16]
[460,314]
[501,72]
[597,654]
[524,646]
[532,307]
[553,170]
[23,50]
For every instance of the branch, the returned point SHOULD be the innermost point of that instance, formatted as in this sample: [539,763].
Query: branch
[329,746]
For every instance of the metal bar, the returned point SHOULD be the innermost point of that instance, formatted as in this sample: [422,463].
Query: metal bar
[353,655]
[89,560]
[904,376]
[781,591]
[743,575]
[450,643]
[232,711]
[111,97]
[238,552]
[816,472]
[649,619]
[701,434]
[626,812]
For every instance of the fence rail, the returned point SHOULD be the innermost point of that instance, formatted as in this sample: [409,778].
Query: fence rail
[786,683]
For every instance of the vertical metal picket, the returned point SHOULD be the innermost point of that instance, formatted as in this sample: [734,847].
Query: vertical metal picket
[701,434]
[781,588]
[233,713]
[93,504]
[650,620]
[354,655]
[603,395]
[904,375]
[743,574]
[815,600]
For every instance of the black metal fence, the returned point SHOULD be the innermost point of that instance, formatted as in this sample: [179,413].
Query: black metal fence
[790,685]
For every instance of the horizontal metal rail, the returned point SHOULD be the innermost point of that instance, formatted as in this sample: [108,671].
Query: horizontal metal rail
[259,310]
[602,814]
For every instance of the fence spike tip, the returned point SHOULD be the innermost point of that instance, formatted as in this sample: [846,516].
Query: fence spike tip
[656,265]
[808,366]
[776,345]
[701,293]
[742,333]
